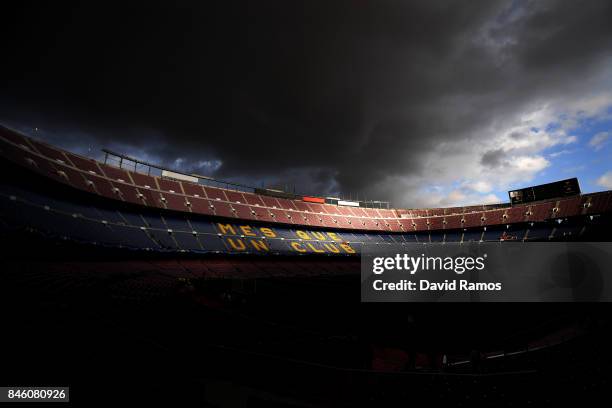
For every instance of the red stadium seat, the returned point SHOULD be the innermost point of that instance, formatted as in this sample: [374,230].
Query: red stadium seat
[599,203]
[385,213]
[421,213]
[169,185]
[358,212]
[296,217]
[436,223]
[567,207]
[371,212]
[494,217]
[454,210]
[541,211]
[407,224]
[215,193]
[328,221]
[270,202]
[151,198]
[235,197]
[310,219]
[293,203]
[222,208]
[77,179]
[317,208]
[515,214]
[394,225]
[301,206]
[436,211]
[253,199]
[383,224]
[48,151]
[331,209]
[472,220]
[452,222]
[343,222]
[262,214]
[174,201]
[345,211]
[126,192]
[57,169]
[116,174]
[286,204]
[144,180]
[193,189]
[281,216]
[102,186]
[83,163]
[243,212]
[201,206]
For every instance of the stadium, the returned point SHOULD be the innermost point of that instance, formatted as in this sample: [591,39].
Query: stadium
[164,214]
[185,287]
[306,204]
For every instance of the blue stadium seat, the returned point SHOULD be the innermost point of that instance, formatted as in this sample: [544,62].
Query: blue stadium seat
[472,235]
[212,243]
[436,236]
[133,219]
[154,221]
[164,238]
[177,223]
[111,216]
[187,241]
[538,232]
[135,237]
[202,226]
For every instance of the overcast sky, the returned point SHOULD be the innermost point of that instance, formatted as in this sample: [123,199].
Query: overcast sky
[431,103]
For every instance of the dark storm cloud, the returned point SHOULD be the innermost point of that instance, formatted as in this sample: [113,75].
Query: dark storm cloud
[329,96]
[493,158]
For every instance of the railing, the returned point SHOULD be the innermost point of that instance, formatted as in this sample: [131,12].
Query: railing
[129,163]
[140,166]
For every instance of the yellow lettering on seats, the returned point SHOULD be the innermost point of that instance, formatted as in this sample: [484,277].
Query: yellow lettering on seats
[314,249]
[332,248]
[246,230]
[223,228]
[302,234]
[318,235]
[268,232]
[238,245]
[347,248]
[334,236]
[297,247]
[259,245]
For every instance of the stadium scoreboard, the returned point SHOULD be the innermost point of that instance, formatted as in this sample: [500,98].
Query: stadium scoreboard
[558,189]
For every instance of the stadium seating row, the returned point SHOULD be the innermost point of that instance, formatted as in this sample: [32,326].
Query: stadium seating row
[172,231]
[157,192]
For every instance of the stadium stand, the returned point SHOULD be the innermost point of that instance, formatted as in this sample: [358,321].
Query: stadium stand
[122,198]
